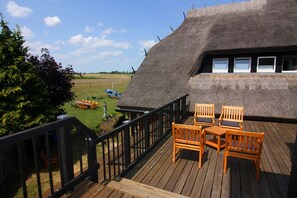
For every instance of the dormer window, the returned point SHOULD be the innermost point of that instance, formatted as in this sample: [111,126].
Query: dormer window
[220,65]
[290,64]
[242,65]
[266,64]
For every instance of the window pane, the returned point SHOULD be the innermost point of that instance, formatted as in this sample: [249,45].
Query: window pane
[266,64]
[220,65]
[290,63]
[266,61]
[266,67]
[242,64]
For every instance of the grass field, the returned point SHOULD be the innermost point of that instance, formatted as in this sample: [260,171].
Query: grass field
[93,85]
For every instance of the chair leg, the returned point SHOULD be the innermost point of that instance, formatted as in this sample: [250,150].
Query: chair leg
[173,154]
[200,158]
[258,169]
[225,163]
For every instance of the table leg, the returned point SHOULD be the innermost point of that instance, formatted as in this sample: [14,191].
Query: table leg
[219,143]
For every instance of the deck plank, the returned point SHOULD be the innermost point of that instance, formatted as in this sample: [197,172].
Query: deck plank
[218,177]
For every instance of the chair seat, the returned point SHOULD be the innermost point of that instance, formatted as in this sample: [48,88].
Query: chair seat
[231,124]
[208,120]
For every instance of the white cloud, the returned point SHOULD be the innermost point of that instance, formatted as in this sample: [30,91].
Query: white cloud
[26,32]
[108,31]
[147,44]
[110,53]
[35,47]
[60,42]
[95,42]
[89,29]
[17,11]
[52,21]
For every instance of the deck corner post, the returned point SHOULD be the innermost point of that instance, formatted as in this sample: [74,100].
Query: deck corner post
[147,132]
[184,107]
[127,158]
[292,190]
[161,132]
[66,154]
[92,161]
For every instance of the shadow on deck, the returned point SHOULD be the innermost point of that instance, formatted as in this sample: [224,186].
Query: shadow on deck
[185,179]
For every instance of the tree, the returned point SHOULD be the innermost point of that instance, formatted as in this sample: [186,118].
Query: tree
[24,98]
[58,80]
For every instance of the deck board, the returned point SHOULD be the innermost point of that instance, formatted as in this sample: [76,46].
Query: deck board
[183,177]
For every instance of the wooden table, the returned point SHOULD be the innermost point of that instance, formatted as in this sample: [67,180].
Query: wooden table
[83,105]
[217,133]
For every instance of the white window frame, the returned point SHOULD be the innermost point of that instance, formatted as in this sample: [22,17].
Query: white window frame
[242,70]
[219,70]
[290,71]
[274,63]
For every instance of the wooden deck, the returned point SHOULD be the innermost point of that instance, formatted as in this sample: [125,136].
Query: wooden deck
[184,178]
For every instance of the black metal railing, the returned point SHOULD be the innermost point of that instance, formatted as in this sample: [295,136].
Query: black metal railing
[54,144]
[70,152]
[125,145]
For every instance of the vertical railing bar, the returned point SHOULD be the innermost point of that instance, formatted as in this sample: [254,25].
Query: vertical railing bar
[80,138]
[103,158]
[36,162]
[160,120]
[118,152]
[21,169]
[60,158]
[127,146]
[146,132]
[47,147]
[137,140]
[134,142]
[108,158]
[122,144]
[114,158]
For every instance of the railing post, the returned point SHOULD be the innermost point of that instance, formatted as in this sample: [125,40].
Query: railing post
[147,132]
[92,160]
[177,111]
[66,154]
[161,124]
[171,112]
[127,158]
[184,107]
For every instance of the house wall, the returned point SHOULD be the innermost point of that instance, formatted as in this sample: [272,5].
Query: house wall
[207,62]
[261,94]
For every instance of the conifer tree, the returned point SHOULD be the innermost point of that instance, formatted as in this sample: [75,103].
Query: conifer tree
[24,99]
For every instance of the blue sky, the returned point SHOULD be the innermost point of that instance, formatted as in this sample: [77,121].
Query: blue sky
[97,35]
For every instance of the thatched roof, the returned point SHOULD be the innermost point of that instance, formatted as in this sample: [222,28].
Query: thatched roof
[247,26]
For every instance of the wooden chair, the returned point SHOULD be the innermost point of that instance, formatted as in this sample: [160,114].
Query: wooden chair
[231,117]
[246,145]
[187,137]
[204,115]
[53,161]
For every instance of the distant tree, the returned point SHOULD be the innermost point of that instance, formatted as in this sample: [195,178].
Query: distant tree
[24,99]
[58,80]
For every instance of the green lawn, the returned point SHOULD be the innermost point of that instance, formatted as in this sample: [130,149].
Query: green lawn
[94,85]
